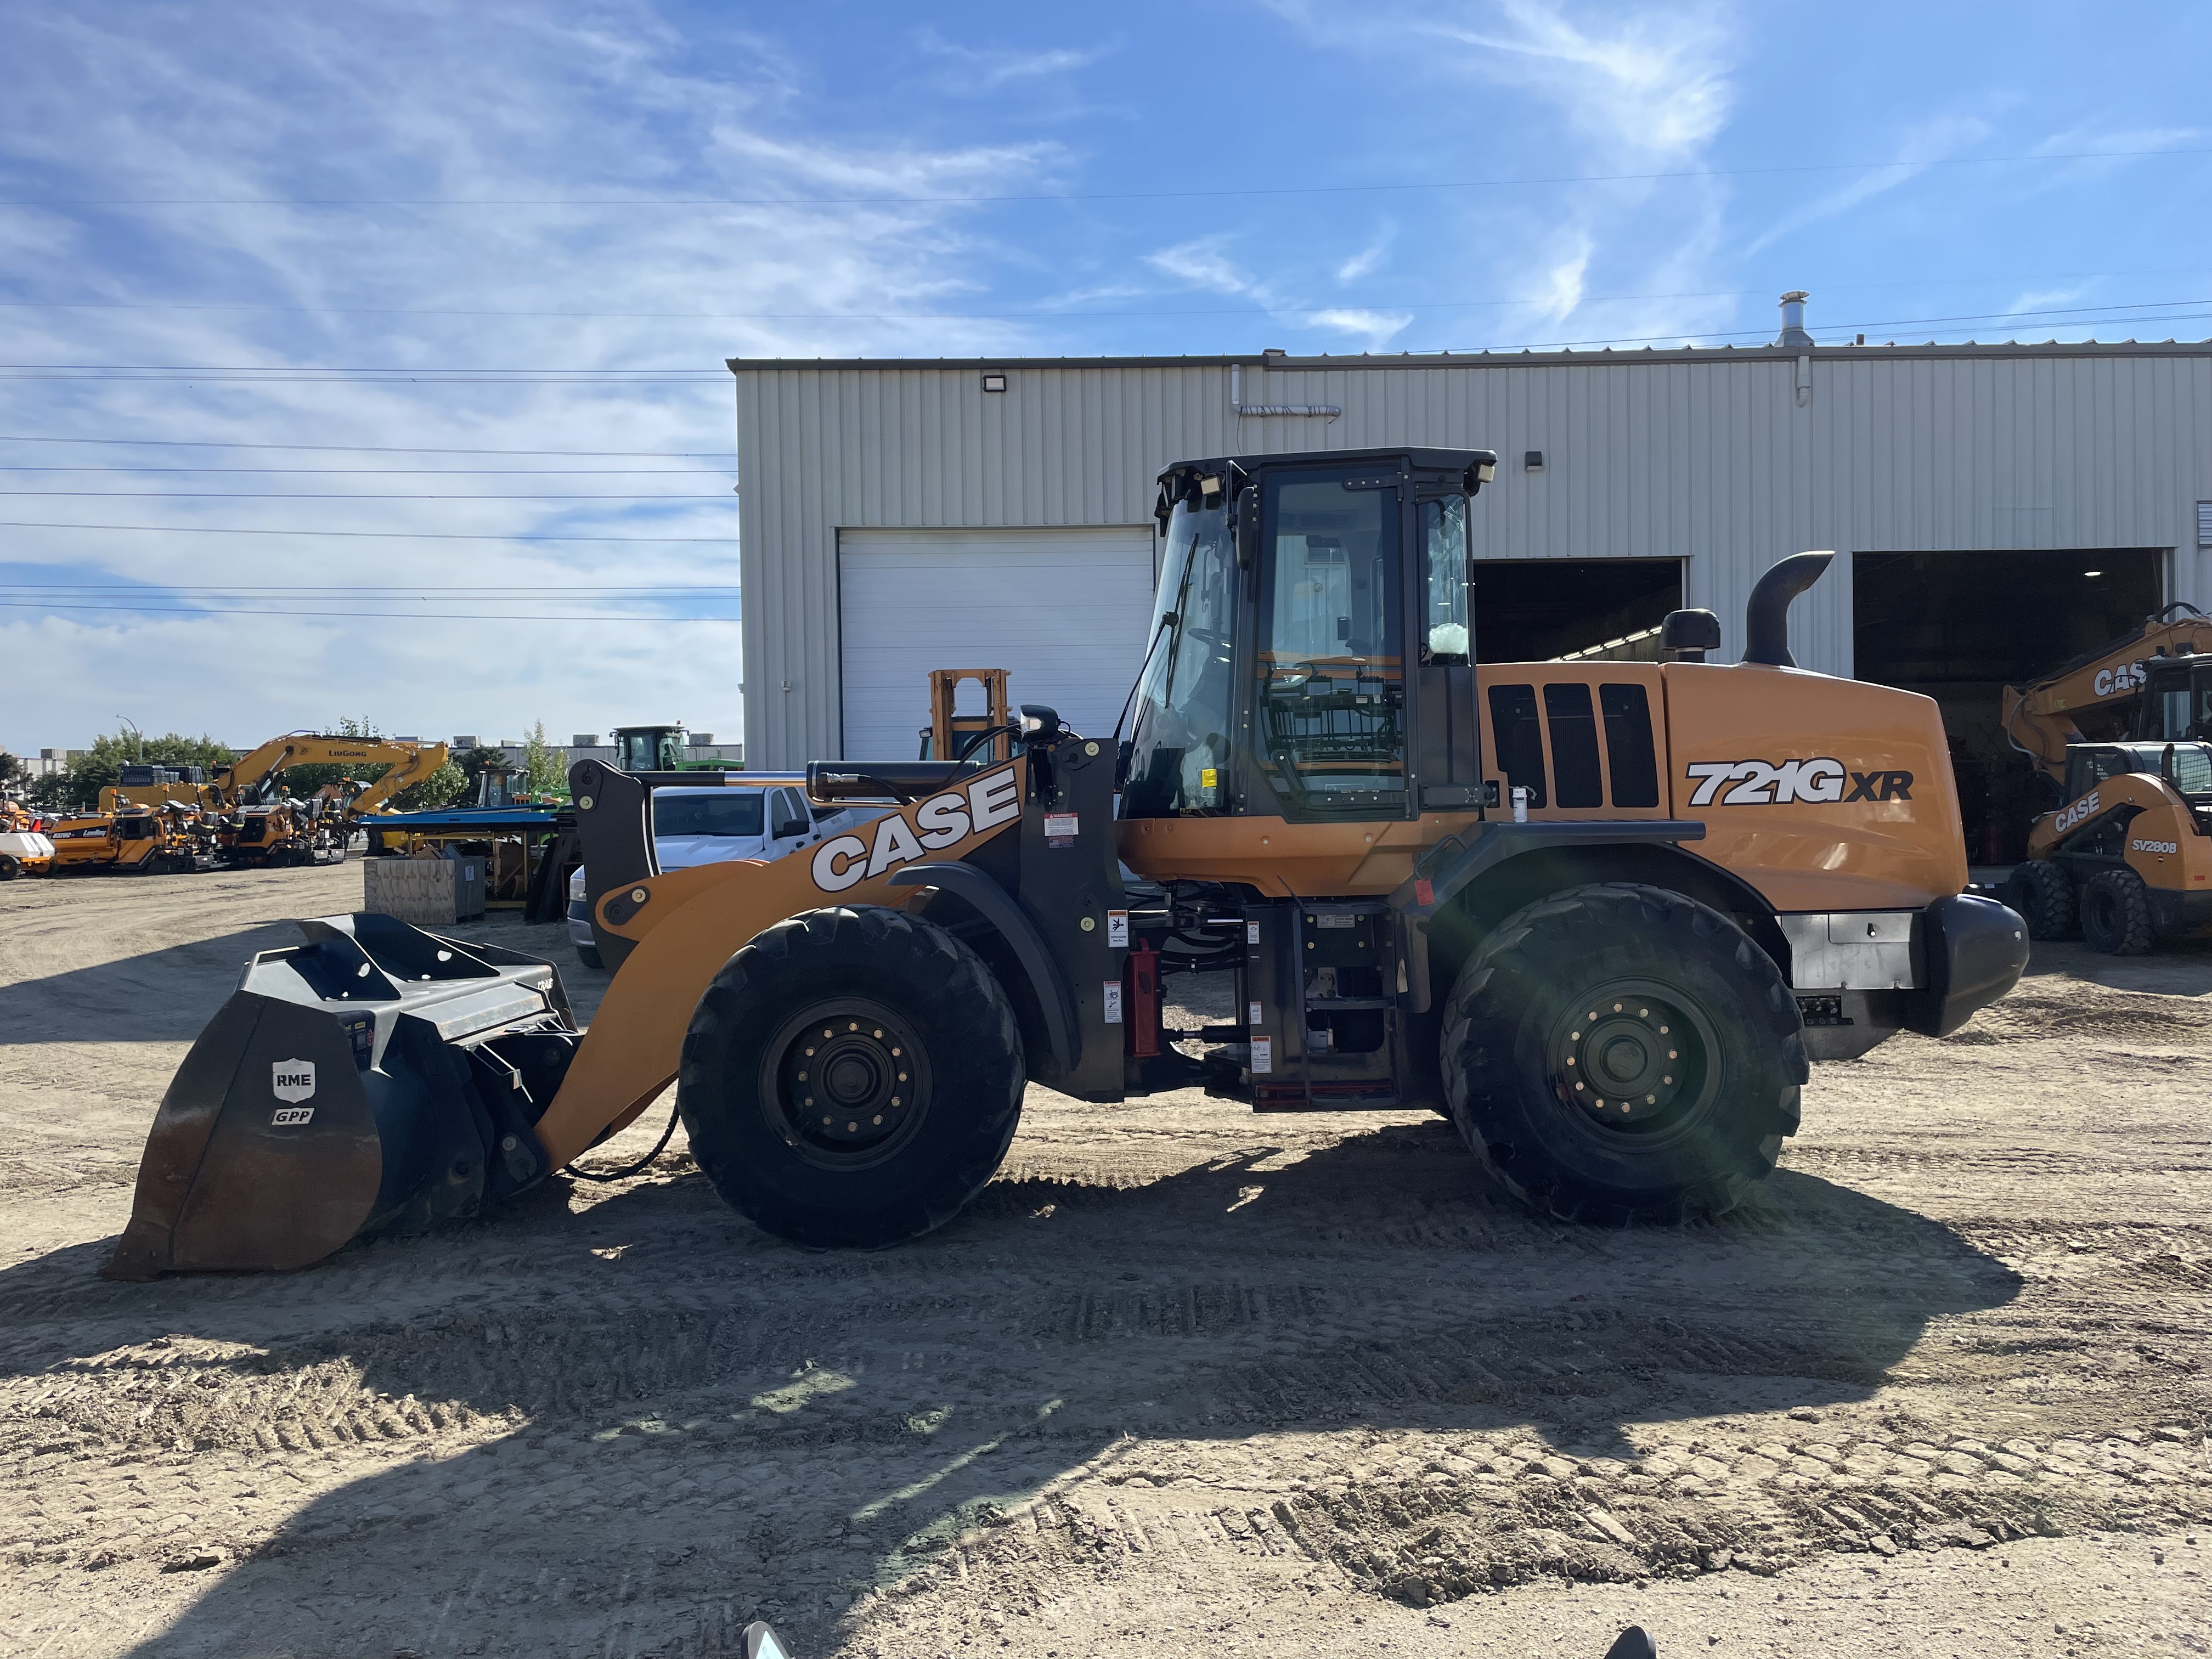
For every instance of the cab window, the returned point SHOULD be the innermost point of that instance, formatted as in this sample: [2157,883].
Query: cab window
[1330,664]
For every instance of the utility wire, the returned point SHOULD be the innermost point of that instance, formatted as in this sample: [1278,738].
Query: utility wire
[354,615]
[1083,196]
[380,535]
[1055,313]
[306,373]
[325,496]
[368,449]
[488,590]
[401,471]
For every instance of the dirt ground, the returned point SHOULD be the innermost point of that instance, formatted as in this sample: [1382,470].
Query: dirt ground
[1184,1378]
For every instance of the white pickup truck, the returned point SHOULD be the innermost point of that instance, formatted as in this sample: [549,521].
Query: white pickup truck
[714,825]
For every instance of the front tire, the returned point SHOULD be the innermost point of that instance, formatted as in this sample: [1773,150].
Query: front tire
[852,1078]
[2042,891]
[1619,1053]
[2116,916]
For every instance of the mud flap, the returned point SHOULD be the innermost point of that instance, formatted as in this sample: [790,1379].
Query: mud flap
[379,1079]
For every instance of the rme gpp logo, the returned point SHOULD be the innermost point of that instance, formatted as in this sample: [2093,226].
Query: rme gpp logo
[1821,780]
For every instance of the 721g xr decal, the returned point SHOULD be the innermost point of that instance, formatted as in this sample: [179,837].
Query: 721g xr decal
[1820,781]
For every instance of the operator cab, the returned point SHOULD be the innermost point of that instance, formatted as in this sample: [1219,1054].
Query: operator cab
[2186,766]
[2176,705]
[648,748]
[1310,654]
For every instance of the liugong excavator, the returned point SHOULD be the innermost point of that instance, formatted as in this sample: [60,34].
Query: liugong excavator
[1706,876]
[265,827]
[2124,858]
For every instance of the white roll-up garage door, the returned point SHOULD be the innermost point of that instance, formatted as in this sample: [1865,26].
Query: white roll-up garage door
[1064,611]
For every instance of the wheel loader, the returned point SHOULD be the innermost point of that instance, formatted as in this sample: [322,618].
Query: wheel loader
[1600,914]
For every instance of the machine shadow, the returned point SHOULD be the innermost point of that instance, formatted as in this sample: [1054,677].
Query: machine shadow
[752,1427]
[166,995]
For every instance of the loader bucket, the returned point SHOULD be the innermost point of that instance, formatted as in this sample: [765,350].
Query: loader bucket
[377,1080]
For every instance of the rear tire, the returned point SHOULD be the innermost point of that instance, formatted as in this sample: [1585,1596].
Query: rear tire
[2116,914]
[1669,1103]
[852,1078]
[2042,893]
[10,866]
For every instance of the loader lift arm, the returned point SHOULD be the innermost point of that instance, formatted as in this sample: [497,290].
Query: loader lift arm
[2038,717]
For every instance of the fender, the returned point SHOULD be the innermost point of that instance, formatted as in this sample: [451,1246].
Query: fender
[997,907]
[1453,863]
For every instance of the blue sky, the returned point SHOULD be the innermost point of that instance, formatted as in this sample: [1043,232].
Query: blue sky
[244,227]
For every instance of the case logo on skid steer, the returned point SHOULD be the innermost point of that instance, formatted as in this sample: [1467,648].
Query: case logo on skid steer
[2079,813]
[990,801]
[1820,781]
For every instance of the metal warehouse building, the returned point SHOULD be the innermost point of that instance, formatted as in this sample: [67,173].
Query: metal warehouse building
[1999,508]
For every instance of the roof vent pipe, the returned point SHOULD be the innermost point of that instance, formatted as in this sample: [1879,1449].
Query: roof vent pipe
[1793,320]
[1236,400]
[1766,618]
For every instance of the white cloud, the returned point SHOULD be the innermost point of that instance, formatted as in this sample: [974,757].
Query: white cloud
[508,105]
[1932,140]
[1367,261]
[986,67]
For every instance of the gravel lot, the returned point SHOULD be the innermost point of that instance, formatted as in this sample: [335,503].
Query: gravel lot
[1183,1378]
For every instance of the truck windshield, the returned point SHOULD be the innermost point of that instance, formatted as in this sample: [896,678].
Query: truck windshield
[1179,753]
[725,813]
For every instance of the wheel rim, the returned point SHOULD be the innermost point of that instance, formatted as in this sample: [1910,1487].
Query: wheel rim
[1631,1057]
[2098,905]
[846,1084]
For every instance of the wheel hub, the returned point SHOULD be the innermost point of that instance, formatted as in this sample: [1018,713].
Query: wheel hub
[1621,1057]
[846,1082]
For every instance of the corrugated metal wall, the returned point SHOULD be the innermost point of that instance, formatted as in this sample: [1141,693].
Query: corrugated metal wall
[1720,459]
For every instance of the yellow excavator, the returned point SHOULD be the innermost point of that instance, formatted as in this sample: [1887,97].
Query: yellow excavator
[2124,858]
[1600,914]
[263,827]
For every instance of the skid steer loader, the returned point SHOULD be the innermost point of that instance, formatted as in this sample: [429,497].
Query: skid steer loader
[1599,913]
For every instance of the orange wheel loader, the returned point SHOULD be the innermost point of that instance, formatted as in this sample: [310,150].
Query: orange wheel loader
[1600,914]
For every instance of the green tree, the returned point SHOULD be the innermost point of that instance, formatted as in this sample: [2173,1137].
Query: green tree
[545,768]
[91,770]
[13,774]
[441,788]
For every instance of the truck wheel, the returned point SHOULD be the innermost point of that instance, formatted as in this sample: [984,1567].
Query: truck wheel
[2116,914]
[10,866]
[2042,893]
[1621,1053]
[852,1077]
[589,956]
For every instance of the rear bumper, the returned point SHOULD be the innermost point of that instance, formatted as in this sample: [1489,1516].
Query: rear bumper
[1976,950]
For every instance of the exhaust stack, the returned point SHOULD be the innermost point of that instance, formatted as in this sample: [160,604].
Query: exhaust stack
[1793,320]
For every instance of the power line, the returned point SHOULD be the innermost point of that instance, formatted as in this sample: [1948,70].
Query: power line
[369,449]
[352,616]
[1798,168]
[323,495]
[1048,313]
[401,471]
[308,374]
[381,535]
[390,589]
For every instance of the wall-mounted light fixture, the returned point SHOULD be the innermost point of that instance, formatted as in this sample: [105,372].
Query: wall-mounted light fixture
[1533,461]
[994,383]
